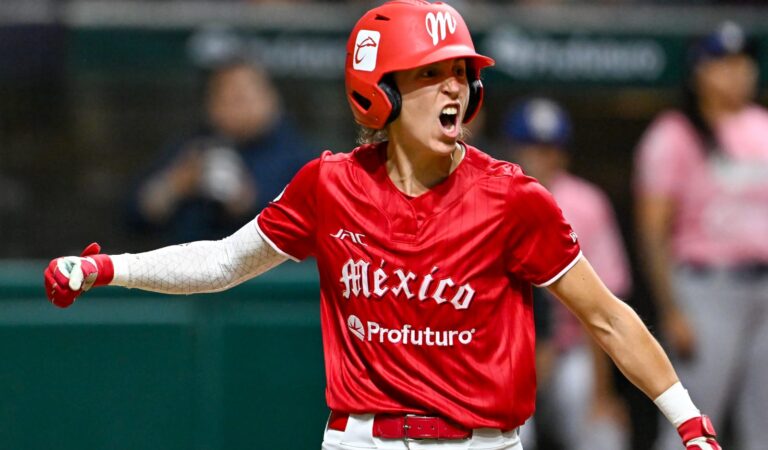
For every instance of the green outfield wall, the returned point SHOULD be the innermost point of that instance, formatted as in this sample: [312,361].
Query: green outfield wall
[124,369]
[647,58]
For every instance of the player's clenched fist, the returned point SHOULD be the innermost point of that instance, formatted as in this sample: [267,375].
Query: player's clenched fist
[699,434]
[69,276]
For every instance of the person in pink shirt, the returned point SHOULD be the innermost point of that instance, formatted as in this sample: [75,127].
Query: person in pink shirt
[702,210]
[577,403]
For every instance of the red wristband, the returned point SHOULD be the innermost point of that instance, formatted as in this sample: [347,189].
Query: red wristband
[106,269]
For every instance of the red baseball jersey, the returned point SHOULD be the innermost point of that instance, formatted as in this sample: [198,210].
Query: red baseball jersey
[426,301]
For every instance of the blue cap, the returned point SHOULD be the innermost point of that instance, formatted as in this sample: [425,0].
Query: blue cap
[727,39]
[538,121]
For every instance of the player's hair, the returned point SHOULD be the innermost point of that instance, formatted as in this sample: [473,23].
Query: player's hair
[367,135]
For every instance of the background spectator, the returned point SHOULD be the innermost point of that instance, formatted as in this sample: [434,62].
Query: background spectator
[577,408]
[240,159]
[702,199]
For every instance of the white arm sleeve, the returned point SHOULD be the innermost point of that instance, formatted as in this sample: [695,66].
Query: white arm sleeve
[203,266]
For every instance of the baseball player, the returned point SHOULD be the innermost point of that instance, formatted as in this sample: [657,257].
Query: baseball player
[426,249]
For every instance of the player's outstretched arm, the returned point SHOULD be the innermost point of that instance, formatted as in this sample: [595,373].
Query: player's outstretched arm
[197,267]
[621,333]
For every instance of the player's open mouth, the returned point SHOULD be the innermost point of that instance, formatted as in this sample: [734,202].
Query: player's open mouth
[449,120]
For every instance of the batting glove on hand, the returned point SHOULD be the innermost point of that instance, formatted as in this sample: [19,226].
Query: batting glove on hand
[69,276]
[699,434]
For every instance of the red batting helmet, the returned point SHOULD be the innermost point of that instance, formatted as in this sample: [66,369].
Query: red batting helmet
[401,35]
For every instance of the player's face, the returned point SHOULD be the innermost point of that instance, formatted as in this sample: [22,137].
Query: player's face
[435,100]
[729,81]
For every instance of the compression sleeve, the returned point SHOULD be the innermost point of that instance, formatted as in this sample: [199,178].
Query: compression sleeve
[197,267]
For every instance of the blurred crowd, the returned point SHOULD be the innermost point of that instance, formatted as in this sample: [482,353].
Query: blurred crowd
[699,192]
[701,199]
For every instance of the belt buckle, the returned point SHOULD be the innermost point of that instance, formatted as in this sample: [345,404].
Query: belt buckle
[407,427]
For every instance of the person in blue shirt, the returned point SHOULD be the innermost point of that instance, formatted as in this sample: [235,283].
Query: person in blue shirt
[207,184]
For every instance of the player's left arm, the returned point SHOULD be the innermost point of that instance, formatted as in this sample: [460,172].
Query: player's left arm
[621,333]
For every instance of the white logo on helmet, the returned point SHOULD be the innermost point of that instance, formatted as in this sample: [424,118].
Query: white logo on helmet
[356,327]
[438,25]
[366,50]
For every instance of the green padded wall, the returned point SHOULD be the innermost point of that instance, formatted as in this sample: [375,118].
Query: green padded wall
[124,369]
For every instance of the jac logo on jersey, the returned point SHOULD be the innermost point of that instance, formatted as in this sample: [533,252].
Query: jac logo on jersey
[366,50]
[357,238]
[359,280]
[439,24]
[407,335]
[574,236]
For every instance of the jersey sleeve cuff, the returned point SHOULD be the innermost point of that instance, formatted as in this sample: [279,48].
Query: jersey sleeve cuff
[273,245]
[561,273]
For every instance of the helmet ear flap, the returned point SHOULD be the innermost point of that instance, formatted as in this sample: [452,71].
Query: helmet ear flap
[389,88]
[475,99]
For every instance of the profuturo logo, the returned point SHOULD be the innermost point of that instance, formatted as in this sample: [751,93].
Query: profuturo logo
[407,335]
[356,327]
